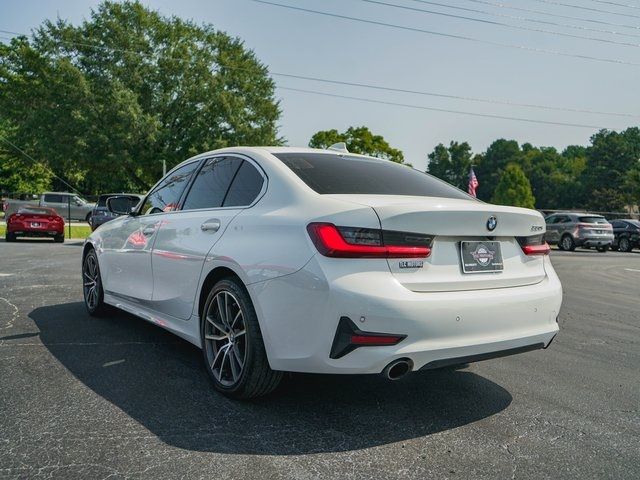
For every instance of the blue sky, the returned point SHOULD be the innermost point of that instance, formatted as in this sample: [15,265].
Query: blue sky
[312,45]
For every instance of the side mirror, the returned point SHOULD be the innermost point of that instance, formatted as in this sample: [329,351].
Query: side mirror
[121,205]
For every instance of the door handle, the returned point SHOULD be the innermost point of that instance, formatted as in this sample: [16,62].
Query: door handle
[148,230]
[212,225]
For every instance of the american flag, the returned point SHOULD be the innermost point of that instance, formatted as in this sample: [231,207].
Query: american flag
[473,183]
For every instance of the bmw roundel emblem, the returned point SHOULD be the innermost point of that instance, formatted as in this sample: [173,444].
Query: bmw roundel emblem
[492,223]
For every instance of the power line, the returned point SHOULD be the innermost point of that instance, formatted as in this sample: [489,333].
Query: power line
[450,35]
[443,110]
[375,87]
[581,7]
[527,19]
[39,163]
[500,24]
[456,97]
[557,15]
[626,5]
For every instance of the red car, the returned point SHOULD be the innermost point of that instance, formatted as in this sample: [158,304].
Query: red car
[35,222]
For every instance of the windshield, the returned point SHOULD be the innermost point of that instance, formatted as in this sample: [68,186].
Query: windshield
[593,220]
[346,174]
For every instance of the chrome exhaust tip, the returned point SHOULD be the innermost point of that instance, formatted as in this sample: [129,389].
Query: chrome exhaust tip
[397,369]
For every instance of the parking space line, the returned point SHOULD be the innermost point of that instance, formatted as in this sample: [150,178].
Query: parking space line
[632,270]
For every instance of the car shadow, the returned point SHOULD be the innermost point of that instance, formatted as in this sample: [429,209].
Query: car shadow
[160,381]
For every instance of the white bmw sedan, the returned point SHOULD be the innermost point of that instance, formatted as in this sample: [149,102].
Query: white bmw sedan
[291,259]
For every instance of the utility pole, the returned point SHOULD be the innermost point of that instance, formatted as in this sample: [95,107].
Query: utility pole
[164,167]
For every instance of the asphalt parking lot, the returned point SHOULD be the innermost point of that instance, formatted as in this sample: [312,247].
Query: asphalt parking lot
[120,398]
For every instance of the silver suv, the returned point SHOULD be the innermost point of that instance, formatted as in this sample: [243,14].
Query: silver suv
[571,230]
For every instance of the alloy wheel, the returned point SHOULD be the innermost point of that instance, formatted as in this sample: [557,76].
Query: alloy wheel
[225,338]
[566,243]
[624,245]
[91,279]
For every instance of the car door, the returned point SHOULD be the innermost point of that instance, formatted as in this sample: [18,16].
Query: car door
[127,243]
[222,188]
[552,229]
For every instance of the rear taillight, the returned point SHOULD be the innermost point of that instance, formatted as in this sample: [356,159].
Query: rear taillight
[534,245]
[354,242]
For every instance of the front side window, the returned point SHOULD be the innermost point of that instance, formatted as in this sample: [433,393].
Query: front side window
[346,174]
[166,196]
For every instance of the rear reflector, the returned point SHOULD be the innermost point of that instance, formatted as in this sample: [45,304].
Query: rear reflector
[353,242]
[348,337]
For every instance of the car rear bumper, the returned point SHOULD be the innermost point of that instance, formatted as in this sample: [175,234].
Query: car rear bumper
[35,233]
[439,326]
[594,241]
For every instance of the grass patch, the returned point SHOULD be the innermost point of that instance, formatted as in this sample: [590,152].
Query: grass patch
[76,231]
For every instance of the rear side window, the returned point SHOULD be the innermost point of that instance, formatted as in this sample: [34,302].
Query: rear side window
[210,187]
[54,198]
[345,174]
[245,187]
[166,196]
[592,220]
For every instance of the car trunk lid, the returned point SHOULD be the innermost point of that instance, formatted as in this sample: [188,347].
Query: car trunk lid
[450,222]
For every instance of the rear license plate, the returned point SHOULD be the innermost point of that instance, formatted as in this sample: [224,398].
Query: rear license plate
[481,257]
[35,224]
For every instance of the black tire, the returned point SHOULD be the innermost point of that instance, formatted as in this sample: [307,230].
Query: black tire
[59,238]
[603,248]
[568,243]
[92,285]
[88,218]
[624,245]
[10,237]
[220,336]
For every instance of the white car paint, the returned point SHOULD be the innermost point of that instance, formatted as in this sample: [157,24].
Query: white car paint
[300,295]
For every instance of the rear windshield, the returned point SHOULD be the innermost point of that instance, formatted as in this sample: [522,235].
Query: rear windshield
[592,220]
[635,223]
[35,211]
[345,174]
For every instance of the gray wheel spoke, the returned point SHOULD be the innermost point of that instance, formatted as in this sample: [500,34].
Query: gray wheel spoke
[221,309]
[240,333]
[214,337]
[235,369]
[235,319]
[217,325]
[236,355]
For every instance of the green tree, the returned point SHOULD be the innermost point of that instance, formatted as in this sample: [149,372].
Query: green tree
[610,158]
[513,188]
[104,102]
[358,140]
[451,164]
[491,164]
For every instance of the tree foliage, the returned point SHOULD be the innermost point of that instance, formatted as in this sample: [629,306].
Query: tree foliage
[451,163]
[358,140]
[104,102]
[603,176]
[513,188]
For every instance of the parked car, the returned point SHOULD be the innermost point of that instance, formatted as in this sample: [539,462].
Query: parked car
[626,233]
[284,259]
[101,213]
[60,201]
[570,230]
[34,221]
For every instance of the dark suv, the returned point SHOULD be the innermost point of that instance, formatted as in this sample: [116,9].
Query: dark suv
[100,212]
[626,234]
[570,230]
